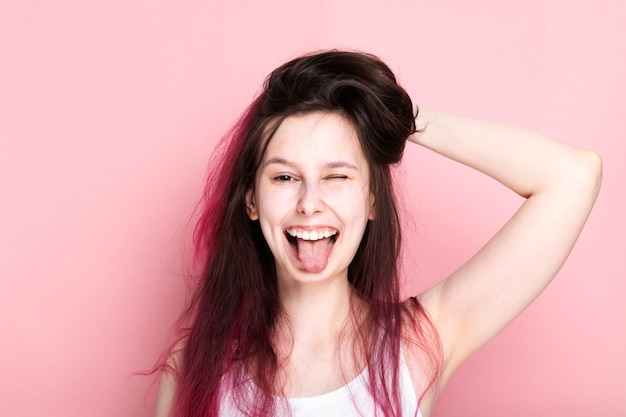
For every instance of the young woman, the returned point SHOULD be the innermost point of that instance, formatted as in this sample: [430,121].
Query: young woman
[298,311]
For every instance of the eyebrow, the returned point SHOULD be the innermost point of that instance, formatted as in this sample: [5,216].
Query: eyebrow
[334,164]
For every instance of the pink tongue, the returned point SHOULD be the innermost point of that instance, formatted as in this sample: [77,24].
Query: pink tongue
[313,254]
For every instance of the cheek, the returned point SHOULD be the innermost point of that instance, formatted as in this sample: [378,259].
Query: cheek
[271,202]
[355,200]
[272,207]
[271,234]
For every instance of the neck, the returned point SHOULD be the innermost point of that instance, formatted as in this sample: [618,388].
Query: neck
[316,337]
[315,313]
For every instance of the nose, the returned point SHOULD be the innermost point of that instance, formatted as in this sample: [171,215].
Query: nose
[310,199]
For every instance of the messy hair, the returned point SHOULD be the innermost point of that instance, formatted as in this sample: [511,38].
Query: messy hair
[227,336]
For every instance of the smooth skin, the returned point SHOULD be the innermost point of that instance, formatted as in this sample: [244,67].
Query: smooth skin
[560,184]
[313,176]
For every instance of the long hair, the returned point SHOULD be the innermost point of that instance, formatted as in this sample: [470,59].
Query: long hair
[233,313]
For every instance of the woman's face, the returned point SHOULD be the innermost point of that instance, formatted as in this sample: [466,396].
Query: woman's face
[312,197]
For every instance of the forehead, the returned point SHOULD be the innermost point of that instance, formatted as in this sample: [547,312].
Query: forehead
[316,138]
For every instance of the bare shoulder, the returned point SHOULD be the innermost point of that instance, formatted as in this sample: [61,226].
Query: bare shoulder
[422,350]
[169,380]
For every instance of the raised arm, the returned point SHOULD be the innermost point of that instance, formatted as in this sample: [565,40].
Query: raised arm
[560,183]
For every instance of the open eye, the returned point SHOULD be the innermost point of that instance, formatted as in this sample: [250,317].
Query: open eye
[284,178]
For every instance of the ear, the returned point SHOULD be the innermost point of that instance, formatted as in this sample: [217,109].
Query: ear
[251,205]
[372,215]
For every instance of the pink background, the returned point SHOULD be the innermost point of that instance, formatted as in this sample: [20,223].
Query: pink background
[109,111]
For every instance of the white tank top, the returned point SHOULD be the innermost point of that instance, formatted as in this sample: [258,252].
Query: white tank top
[351,400]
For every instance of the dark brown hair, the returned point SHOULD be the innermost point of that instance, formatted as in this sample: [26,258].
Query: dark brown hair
[235,307]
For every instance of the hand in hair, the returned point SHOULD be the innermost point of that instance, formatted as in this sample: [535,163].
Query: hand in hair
[560,184]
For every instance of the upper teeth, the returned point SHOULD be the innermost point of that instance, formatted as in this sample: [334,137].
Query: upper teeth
[311,235]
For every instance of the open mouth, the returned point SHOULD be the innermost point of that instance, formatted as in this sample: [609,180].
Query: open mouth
[325,234]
